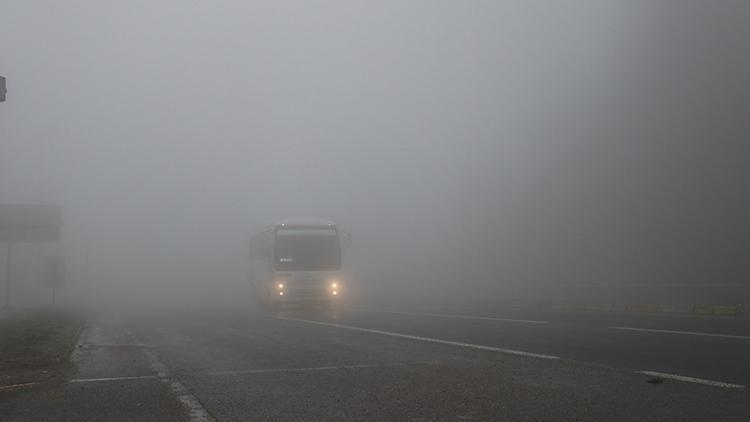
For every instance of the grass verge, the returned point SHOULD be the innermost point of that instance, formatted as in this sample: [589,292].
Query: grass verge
[36,343]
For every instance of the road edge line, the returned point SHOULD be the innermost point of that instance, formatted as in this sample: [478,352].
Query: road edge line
[140,377]
[196,411]
[420,338]
[13,387]
[685,333]
[694,380]
[455,316]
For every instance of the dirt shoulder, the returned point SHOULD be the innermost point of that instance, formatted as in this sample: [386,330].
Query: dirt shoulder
[35,344]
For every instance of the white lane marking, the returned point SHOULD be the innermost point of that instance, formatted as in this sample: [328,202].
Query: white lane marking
[91,345]
[196,411]
[529,321]
[419,338]
[17,386]
[142,377]
[690,379]
[689,333]
[312,368]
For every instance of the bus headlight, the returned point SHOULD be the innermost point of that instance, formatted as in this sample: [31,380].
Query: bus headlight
[334,287]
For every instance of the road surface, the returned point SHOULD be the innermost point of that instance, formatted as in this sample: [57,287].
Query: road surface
[431,364]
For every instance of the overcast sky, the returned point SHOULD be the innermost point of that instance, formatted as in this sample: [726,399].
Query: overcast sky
[489,142]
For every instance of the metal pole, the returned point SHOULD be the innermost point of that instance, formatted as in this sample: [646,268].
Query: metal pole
[7,273]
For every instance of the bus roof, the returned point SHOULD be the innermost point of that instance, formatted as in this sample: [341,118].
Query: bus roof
[307,221]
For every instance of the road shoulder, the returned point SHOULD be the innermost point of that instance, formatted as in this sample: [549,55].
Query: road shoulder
[107,378]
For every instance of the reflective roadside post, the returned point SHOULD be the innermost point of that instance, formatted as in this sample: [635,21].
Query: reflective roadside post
[8,262]
[54,273]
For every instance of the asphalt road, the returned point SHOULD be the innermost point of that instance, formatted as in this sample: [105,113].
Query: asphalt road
[364,364]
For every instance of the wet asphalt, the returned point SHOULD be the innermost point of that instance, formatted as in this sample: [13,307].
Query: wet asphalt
[371,364]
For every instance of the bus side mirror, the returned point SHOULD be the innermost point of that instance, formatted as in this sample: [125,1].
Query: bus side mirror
[346,237]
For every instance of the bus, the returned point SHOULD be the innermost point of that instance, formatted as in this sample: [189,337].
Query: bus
[297,261]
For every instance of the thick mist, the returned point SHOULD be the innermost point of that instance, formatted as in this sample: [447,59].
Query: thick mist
[474,150]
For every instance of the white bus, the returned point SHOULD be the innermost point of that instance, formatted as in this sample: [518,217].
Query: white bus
[297,261]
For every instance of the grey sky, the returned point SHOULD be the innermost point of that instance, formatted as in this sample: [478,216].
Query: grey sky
[495,142]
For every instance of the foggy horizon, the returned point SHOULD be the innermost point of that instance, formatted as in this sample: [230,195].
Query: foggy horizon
[472,149]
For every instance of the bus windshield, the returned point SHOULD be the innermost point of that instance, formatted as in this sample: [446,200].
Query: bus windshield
[307,250]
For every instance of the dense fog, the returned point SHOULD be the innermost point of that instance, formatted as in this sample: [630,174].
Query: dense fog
[481,149]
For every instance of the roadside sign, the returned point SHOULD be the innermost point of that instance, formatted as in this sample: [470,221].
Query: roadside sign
[2,88]
[30,223]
